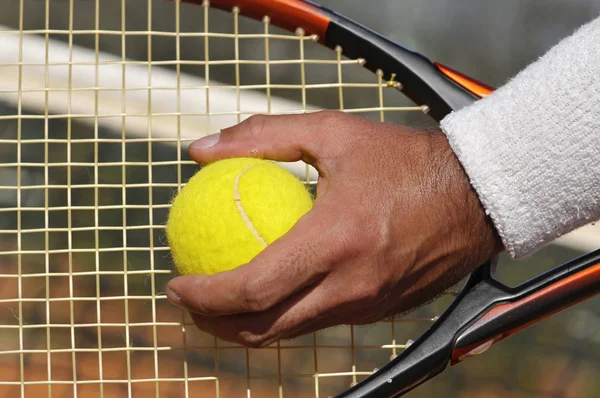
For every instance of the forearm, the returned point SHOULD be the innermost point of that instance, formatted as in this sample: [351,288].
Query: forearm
[532,149]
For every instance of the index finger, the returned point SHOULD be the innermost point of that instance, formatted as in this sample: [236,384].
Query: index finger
[311,137]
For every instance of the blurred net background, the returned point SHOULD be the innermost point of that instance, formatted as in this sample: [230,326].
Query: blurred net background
[87,169]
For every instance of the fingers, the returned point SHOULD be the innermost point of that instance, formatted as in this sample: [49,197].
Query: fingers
[295,261]
[315,308]
[301,313]
[286,138]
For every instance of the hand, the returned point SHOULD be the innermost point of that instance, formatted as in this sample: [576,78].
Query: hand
[395,223]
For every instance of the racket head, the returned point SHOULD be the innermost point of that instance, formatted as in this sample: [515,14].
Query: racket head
[88,255]
[442,90]
[150,70]
[437,88]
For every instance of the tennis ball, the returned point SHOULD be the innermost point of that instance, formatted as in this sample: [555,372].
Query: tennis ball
[229,211]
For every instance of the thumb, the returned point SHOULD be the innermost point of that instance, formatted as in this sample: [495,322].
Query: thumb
[287,138]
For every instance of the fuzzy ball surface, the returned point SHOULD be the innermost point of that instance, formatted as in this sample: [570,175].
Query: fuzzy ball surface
[229,211]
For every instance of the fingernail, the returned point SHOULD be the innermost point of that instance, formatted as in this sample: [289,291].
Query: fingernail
[206,142]
[174,297]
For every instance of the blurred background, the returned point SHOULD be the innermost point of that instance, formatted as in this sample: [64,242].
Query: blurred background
[83,259]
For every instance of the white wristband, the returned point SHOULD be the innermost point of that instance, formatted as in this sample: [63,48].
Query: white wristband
[532,148]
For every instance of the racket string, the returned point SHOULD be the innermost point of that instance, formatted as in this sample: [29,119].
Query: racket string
[89,258]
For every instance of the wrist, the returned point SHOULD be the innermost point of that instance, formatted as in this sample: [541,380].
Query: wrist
[478,235]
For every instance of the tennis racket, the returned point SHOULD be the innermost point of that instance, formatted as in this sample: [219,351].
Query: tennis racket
[94,145]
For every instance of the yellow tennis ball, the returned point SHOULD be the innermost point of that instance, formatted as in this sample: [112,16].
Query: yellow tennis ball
[230,211]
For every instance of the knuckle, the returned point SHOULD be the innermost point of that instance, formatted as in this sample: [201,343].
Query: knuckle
[255,297]
[254,303]
[355,235]
[357,228]
[332,119]
[256,124]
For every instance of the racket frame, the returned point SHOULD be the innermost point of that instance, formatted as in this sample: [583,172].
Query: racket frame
[486,311]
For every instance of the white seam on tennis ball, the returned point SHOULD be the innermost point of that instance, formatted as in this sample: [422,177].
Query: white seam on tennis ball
[238,202]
